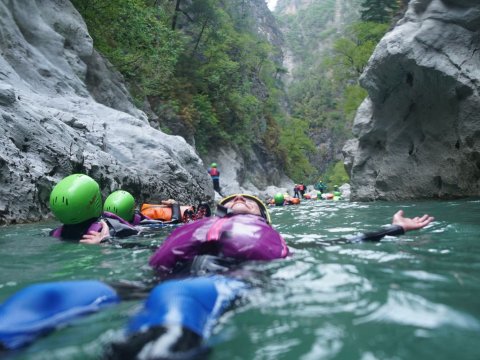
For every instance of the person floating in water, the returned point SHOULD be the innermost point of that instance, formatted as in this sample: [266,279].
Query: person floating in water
[76,201]
[241,231]
[121,203]
[280,199]
[172,323]
[215,175]
[170,211]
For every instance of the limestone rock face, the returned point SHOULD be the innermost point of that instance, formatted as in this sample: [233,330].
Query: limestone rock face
[258,176]
[52,123]
[418,132]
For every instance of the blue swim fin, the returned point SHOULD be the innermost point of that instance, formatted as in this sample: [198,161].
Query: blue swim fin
[40,308]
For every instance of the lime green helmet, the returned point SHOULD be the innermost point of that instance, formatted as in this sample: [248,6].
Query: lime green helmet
[213,165]
[76,199]
[279,199]
[121,203]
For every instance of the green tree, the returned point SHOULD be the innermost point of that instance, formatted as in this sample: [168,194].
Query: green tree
[350,57]
[136,39]
[335,175]
[379,11]
[201,64]
[295,139]
[351,52]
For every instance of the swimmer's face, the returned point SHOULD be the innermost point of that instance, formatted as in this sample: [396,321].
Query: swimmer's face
[241,205]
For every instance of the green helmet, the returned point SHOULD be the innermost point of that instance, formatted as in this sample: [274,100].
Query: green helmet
[213,165]
[76,199]
[120,203]
[279,199]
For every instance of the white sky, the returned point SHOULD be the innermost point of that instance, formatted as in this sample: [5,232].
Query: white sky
[271,4]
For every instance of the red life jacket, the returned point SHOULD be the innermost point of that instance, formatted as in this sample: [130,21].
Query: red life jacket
[214,172]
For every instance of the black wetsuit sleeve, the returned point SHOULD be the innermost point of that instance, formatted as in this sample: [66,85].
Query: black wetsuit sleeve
[119,229]
[392,230]
[176,213]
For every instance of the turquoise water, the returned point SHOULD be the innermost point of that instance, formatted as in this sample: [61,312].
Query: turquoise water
[412,297]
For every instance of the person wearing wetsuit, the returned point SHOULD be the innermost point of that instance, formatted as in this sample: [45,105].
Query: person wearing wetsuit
[296,191]
[302,188]
[172,324]
[122,204]
[77,202]
[241,231]
[215,175]
[320,186]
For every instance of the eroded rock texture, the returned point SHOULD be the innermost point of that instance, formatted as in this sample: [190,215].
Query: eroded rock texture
[418,132]
[52,124]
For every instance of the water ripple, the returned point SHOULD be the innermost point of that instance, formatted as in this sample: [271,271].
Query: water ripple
[410,309]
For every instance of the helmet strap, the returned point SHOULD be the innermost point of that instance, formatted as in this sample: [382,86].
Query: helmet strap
[223,211]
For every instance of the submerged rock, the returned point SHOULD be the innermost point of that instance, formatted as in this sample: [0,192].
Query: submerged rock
[418,132]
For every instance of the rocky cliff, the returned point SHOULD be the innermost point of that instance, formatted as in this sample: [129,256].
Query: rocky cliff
[256,170]
[418,132]
[63,111]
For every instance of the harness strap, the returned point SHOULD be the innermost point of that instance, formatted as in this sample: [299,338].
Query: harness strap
[215,231]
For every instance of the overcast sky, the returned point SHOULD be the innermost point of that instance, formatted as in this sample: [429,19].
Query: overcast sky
[271,4]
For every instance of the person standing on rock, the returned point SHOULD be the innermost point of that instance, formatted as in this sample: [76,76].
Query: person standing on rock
[215,175]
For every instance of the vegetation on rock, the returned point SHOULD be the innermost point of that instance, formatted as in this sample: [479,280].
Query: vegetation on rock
[210,76]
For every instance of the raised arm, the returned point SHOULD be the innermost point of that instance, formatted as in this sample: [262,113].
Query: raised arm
[411,223]
[400,225]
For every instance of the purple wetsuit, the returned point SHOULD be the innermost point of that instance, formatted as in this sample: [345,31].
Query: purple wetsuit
[58,232]
[117,226]
[240,236]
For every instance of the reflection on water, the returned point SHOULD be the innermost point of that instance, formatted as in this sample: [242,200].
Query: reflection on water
[411,297]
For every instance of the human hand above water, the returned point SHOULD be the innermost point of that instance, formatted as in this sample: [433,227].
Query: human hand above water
[96,237]
[411,223]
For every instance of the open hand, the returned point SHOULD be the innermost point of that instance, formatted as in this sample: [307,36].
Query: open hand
[96,237]
[411,224]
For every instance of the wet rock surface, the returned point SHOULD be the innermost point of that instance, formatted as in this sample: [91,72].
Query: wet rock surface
[63,111]
[418,132]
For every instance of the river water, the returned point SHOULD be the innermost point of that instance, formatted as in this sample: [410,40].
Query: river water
[412,297]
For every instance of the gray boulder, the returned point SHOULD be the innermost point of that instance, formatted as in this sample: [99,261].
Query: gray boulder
[418,132]
[52,123]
